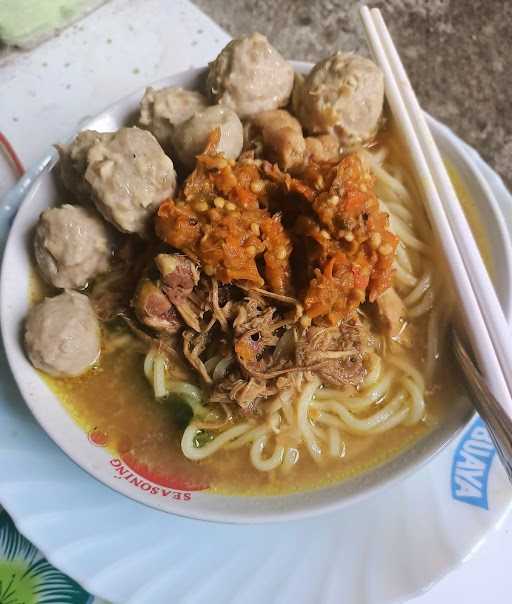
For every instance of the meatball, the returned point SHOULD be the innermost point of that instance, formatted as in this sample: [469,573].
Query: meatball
[62,335]
[250,76]
[73,162]
[129,176]
[190,137]
[342,95]
[72,245]
[161,110]
[280,135]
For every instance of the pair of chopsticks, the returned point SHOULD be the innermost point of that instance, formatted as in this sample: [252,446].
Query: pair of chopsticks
[485,323]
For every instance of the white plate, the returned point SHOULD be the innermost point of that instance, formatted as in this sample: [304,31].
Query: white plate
[169,494]
[386,548]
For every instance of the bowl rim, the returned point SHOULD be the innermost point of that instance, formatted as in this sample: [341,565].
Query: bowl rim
[420,453]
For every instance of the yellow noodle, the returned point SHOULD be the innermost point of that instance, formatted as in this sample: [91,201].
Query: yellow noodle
[269,463]
[422,286]
[196,453]
[422,307]
[417,402]
[357,425]
[303,419]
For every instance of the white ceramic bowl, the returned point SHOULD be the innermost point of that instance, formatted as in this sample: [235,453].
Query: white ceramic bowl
[201,504]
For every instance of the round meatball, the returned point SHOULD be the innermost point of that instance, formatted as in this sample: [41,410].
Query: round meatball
[73,162]
[190,137]
[161,110]
[250,76]
[62,335]
[342,95]
[129,175]
[72,245]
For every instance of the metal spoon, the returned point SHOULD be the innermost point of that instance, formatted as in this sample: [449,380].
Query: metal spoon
[497,420]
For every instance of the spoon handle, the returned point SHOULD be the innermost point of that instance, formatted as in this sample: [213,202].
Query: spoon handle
[12,199]
[490,410]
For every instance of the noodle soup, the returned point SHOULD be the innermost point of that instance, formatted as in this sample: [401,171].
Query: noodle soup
[272,318]
[116,399]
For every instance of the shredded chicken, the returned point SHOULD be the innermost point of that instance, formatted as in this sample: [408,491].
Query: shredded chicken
[248,330]
[194,345]
[336,350]
[255,338]
[277,297]
[139,333]
[218,312]
[246,394]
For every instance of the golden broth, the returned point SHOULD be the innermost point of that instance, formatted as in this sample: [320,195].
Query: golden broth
[116,401]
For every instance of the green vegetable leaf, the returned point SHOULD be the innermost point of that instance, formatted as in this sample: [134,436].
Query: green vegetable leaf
[202,437]
[185,402]
[181,411]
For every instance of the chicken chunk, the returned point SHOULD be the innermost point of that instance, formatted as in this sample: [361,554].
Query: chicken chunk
[391,311]
[179,276]
[281,137]
[336,352]
[160,304]
[154,309]
[324,147]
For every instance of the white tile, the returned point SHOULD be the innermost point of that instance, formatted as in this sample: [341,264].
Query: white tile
[120,47]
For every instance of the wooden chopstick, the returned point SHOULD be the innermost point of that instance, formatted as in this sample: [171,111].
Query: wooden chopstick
[485,322]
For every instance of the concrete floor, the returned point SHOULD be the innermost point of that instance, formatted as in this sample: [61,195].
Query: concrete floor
[456,53]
